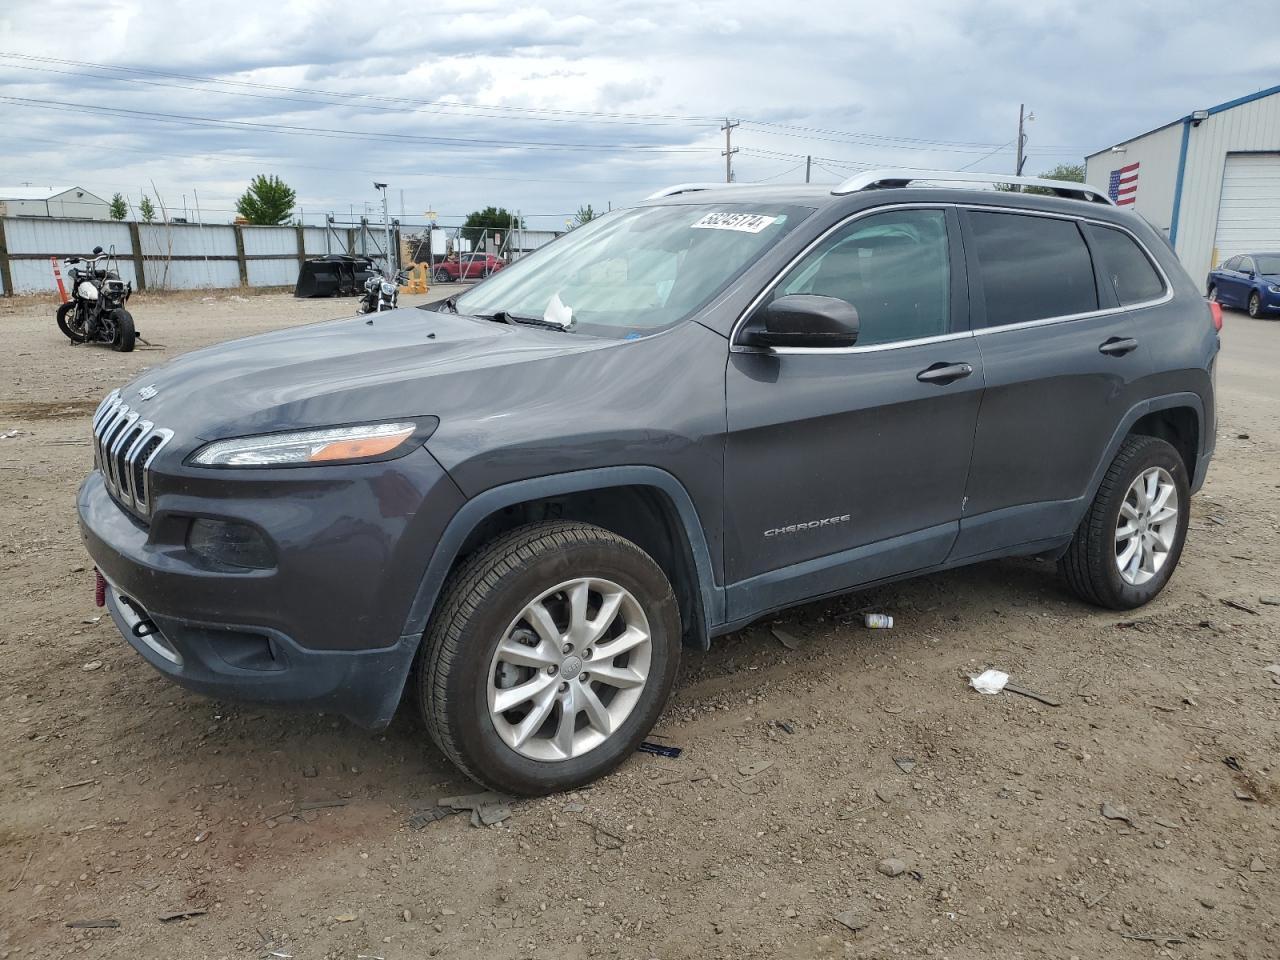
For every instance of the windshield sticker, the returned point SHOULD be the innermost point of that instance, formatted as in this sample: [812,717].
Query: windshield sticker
[741,222]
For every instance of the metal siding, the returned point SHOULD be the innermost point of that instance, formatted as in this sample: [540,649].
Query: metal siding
[187,240]
[1157,152]
[272,273]
[36,276]
[1249,127]
[314,241]
[269,241]
[65,237]
[191,274]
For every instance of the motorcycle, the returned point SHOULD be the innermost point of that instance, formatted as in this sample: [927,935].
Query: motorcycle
[96,311]
[381,294]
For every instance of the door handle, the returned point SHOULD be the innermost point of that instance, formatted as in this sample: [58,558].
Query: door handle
[1118,346]
[944,373]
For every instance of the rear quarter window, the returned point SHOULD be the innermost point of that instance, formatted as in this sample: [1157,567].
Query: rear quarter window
[1124,264]
[1031,267]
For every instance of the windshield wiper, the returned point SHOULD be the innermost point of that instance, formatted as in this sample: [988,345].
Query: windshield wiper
[506,316]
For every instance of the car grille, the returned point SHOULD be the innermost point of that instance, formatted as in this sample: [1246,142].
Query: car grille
[123,447]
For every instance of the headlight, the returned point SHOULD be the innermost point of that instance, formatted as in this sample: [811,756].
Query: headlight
[333,445]
[1274,288]
[388,288]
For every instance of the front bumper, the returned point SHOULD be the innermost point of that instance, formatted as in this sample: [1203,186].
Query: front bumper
[324,627]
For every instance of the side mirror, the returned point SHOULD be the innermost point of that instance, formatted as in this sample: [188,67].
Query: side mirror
[96,251]
[803,320]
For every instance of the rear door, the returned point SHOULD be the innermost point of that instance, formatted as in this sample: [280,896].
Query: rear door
[845,465]
[1064,361]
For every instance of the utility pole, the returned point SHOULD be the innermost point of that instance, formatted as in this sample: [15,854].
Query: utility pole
[1023,118]
[729,149]
[808,162]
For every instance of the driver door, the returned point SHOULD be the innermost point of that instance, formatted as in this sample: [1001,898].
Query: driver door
[848,465]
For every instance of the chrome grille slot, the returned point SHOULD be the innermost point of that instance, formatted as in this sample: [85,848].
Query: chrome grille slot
[124,445]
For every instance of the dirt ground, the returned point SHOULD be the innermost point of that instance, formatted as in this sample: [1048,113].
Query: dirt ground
[126,799]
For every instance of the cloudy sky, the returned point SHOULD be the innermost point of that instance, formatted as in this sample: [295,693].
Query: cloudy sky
[544,107]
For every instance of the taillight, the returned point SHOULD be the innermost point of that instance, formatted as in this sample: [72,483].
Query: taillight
[1215,311]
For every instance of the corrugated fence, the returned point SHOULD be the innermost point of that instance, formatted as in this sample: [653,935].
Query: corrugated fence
[171,256]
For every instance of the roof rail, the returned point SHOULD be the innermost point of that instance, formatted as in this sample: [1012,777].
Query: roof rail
[875,179]
[693,188]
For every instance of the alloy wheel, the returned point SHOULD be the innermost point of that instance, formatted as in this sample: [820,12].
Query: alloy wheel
[569,669]
[1147,527]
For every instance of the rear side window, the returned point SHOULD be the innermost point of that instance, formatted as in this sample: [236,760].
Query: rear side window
[1032,268]
[1125,266]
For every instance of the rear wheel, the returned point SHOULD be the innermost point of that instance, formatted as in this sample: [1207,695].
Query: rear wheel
[1255,305]
[551,655]
[1129,542]
[442,276]
[69,322]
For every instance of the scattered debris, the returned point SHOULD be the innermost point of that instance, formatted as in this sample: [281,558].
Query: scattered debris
[989,681]
[92,665]
[22,875]
[574,807]
[91,620]
[202,836]
[878,621]
[1257,866]
[1094,901]
[854,919]
[1244,795]
[892,867]
[905,764]
[1024,692]
[1273,669]
[1159,939]
[78,783]
[1237,605]
[885,794]
[182,915]
[106,923]
[421,818]
[749,770]
[489,814]
[1234,763]
[345,918]
[659,749]
[788,640]
[1167,824]
[608,841]
[1218,520]
[1270,601]
[472,801]
[1112,812]
[786,727]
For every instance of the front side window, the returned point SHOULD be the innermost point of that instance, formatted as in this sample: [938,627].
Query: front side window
[1232,264]
[893,267]
[1032,268]
[1246,265]
[636,271]
[1125,266]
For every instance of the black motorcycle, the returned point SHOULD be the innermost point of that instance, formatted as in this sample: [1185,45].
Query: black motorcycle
[96,311]
[381,294]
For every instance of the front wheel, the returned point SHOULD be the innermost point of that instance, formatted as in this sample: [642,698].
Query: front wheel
[1128,545]
[69,322]
[1255,305]
[442,276]
[551,654]
[125,334]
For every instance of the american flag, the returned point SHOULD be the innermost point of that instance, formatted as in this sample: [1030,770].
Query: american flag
[1124,184]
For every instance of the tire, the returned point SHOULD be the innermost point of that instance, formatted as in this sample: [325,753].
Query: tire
[1212,294]
[1255,305]
[125,333]
[442,276]
[1091,565]
[64,310]
[484,603]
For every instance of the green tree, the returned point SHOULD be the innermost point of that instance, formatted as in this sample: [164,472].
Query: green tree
[268,201]
[119,209]
[147,209]
[584,215]
[1074,172]
[489,219]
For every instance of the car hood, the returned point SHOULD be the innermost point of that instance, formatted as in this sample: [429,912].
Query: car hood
[340,371]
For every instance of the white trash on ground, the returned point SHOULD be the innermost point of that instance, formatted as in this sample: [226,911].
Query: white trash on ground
[989,681]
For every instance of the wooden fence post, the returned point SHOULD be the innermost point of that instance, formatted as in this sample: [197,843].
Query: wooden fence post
[135,241]
[240,261]
[6,274]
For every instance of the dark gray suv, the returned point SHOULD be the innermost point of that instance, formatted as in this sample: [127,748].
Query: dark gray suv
[521,502]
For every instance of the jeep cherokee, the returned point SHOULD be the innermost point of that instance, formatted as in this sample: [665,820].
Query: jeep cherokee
[519,503]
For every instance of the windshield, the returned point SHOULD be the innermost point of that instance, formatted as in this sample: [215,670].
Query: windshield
[1268,263]
[635,271]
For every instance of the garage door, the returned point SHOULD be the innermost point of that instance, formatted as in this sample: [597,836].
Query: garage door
[1249,212]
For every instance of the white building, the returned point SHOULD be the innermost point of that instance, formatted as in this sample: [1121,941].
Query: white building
[68,203]
[1210,180]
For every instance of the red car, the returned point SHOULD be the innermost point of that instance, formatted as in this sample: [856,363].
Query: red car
[470,266]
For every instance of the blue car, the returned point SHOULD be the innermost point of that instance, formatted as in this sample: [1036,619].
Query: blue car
[1250,281]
